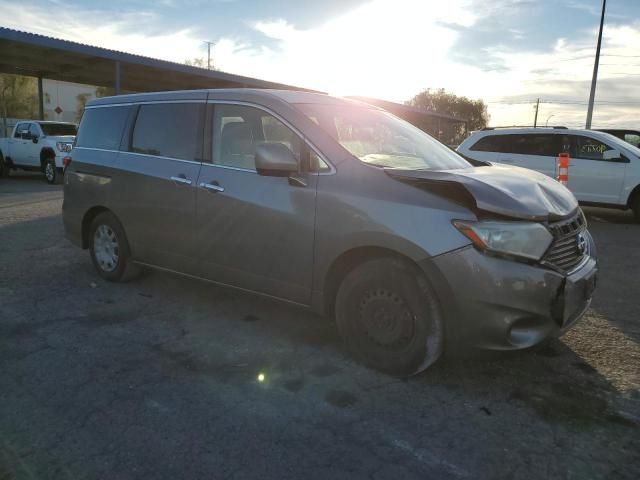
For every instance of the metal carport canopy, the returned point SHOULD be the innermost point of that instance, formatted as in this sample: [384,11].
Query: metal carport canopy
[30,54]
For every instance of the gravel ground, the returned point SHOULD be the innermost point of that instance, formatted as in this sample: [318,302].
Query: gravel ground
[160,378]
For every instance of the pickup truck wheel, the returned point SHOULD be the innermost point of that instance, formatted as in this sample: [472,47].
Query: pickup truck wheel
[389,318]
[109,249]
[4,168]
[50,171]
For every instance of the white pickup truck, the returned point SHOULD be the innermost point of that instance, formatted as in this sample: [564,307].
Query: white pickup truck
[37,145]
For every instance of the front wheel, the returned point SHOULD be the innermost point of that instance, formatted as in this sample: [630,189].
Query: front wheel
[388,316]
[109,249]
[50,171]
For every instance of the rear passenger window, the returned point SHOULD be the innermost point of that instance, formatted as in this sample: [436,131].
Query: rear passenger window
[102,127]
[238,129]
[590,148]
[171,130]
[492,143]
[545,145]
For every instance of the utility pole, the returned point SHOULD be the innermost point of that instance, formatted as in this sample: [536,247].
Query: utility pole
[535,119]
[594,79]
[209,54]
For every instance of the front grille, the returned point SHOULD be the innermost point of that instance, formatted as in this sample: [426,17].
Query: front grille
[565,252]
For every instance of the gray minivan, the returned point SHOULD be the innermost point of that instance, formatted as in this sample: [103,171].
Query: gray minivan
[334,205]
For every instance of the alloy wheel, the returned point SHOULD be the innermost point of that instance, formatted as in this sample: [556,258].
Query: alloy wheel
[106,248]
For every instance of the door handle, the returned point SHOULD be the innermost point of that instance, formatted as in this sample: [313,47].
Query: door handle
[212,187]
[182,180]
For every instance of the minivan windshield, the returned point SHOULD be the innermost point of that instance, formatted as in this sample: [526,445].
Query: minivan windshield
[381,139]
[59,129]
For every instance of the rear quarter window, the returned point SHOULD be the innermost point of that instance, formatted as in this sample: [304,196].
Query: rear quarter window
[102,127]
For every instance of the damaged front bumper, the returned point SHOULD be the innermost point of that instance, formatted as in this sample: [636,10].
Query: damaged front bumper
[500,304]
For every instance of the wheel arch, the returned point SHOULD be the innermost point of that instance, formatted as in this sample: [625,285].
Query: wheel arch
[350,259]
[45,154]
[635,193]
[87,218]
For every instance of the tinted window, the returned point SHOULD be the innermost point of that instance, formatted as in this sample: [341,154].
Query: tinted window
[589,148]
[492,143]
[171,130]
[58,129]
[238,129]
[547,145]
[33,130]
[102,127]
[534,144]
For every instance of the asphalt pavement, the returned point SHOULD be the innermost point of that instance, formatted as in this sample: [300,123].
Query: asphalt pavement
[172,378]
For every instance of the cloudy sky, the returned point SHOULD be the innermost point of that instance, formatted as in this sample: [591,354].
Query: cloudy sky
[507,52]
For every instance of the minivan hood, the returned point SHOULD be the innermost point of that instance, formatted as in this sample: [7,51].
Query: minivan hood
[499,189]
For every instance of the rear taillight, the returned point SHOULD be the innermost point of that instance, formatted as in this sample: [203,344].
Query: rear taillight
[65,162]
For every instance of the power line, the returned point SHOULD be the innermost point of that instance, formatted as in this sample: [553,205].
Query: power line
[561,102]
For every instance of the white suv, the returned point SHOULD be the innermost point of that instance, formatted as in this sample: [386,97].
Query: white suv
[603,170]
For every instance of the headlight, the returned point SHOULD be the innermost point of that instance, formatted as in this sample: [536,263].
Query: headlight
[528,240]
[64,147]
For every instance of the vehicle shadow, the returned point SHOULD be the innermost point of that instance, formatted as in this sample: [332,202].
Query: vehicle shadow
[609,215]
[616,235]
[19,182]
[200,349]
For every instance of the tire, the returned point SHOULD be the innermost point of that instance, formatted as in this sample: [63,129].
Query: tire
[388,317]
[4,168]
[109,249]
[635,206]
[50,171]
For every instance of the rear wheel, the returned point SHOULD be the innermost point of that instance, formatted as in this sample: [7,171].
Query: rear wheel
[109,249]
[388,317]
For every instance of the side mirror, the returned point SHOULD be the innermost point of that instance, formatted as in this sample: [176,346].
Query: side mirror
[275,160]
[611,155]
[34,139]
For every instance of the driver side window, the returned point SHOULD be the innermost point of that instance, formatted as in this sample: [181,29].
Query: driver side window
[21,129]
[238,129]
[33,131]
[589,148]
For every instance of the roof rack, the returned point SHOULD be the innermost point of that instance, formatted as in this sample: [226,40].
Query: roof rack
[556,127]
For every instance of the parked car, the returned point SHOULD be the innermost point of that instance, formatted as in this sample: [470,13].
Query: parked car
[334,205]
[603,170]
[38,146]
[629,136]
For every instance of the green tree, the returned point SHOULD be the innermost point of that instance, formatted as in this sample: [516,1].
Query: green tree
[474,112]
[18,98]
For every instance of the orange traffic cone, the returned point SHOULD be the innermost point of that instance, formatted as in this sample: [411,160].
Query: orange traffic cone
[563,168]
